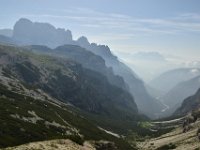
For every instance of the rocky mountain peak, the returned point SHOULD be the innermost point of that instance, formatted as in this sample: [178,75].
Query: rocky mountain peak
[35,33]
[83,41]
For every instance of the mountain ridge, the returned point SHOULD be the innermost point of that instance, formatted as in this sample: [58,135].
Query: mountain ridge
[189,105]
[133,84]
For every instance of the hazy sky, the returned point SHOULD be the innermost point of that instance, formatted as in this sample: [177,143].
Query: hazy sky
[171,27]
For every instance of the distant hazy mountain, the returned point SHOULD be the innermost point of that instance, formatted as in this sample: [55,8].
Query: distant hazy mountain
[6,40]
[150,64]
[189,104]
[181,91]
[148,56]
[6,32]
[191,64]
[29,33]
[168,80]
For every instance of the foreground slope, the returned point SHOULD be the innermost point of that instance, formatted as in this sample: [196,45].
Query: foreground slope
[186,132]
[25,119]
[42,98]
[61,144]
[175,139]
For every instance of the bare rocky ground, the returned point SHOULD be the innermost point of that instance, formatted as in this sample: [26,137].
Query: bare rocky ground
[182,141]
[61,144]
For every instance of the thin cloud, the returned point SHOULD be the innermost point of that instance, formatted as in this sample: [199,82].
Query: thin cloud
[89,18]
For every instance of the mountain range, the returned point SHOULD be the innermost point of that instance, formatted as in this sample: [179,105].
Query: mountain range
[169,79]
[26,33]
[175,86]
[48,97]
[181,91]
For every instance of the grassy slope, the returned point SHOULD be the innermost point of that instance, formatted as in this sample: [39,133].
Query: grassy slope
[20,130]
[174,139]
[15,132]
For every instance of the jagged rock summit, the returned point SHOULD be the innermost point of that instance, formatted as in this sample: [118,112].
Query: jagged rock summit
[34,33]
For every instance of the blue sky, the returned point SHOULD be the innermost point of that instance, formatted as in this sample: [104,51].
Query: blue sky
[170,27]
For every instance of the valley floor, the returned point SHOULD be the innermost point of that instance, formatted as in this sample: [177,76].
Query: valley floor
[53,145]
[180,140]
